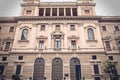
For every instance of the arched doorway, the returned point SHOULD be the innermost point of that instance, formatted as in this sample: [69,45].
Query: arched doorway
[39,66]
[57,69]
[75,69]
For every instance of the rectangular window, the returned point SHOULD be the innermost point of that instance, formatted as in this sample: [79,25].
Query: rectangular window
[47,13]
[94,57]
[1,70]
[11,29]
[57,27]
[42,27]
[118,42]
[57,43]
[54,11]
[110,57]
[41,12]
[104,28]
[73,44]
[96,69]
[113,69]
[4,58]
[18,69]
[41,45]
[61,11]
[7,46]
[87,11]
[97,78]
[28,11]
[0,29]
[68,11]
[20,58]
[116,28]
[72,27]
[107,43]
[74,10]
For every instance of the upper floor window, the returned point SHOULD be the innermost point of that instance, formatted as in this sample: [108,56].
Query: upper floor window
[54,11]
[4,58]
[11,29]
[57,27]
[47,13]
[87,11]
[116,28]
[42,27]
[107,44]
[118,42]
[0,29]
[28,11]
[74,10]
[90,34]
[68,11]
[7,46]
[41,44]
[24,34]
[110,57]
[72,27]
[104,28]
[57,43]
[20,58]
[18,69]
[41,12]
[73,44]
[61,11]
[94,57]
[96,69]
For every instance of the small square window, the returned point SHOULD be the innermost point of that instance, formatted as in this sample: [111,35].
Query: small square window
[11,29]
[28,11]
[4,58]
[72,27]
[42,27]
[94,57]
[110,57]
[57,27]
[20,58]
[41,44]
[104,28]
[116,28]
[87,11]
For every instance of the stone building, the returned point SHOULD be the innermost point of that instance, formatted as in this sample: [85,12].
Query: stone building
[59,41]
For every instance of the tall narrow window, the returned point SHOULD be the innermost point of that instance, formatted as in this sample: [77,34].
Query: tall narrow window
[73,44]
[90,34]
[61,11]
[57,43]
[41,12]
[18,69]
[41,45]
[57,27]
[68,11]
[47,12]
[7,46]
[1,70]
[116,28]
[96,69]
[42,27]
[74,10]
[0,29]
[11,29]
[54,11]
[104,28]
[24,34]
[107,43]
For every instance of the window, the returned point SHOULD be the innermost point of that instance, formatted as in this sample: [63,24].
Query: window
[110,57]
[104,28]
[57,27]
[107,43]
[72,27]
[68,12]
[61,11]
[90,34]
[87,11]
[28,11]
[20,58]
[118,42]
[11,29]
[47,12]
[41,44]
[54,11]
[73,44]
[96,69]
[97,78]
[94,57]
[18,69]
[116,28]
[42,27]
[57,43]
[0,29]
[74,10]
[24,34]
[4,58]
[113,69]
[41,12]
[7,46]
[1,70]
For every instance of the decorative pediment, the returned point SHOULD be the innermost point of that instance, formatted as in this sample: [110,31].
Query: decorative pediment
[107,38]
[117,37]
[73,37]
[41,37]
[8,39]
[57,33]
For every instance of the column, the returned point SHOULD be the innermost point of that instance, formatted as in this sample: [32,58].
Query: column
[71,12]
[44,11]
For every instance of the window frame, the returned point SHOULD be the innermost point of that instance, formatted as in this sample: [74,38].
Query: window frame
[41,45]
[23,38]
[42,28]
[7,46]
[11,29]
[116,28]
[73,44]
[20,57]
[104,28]
[94,57]
[96,69]
[4,58]
[72,27]
[90,33]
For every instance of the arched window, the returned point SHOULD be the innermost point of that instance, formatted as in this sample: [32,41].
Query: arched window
[75,69]
[39,66]
[57,69]
[24,34]
[90,34]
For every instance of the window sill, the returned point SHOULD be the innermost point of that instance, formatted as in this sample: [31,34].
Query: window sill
[3,62]
[23,41]
[95,61]
[19,61]
[97,75]
[74,48]
[91,41]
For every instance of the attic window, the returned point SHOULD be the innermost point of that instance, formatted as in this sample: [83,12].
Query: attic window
[87,11]
[74,10]
[28,11]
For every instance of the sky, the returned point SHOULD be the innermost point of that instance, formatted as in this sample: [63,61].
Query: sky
[103,7]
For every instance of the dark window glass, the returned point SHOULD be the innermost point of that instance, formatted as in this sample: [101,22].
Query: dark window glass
[11,29]
[57,43]
[110,57]
[61,11]
[113,69]
[41,11]
[42,27]
[118,42]
[74,10]
[4,58]
[90,34]
[68,11]
[72,27]
[1,70]
[96,69]
[73,44]
[24,34]
[104,28]
[47,13]
[97,78]
[94,57]
[107,43]
[18,69]
[41,44]
[7,46]
[54,11]
[57,27]
[20,58]
[116,28]
[0,29]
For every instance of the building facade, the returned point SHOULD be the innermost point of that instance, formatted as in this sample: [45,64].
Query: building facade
[59,41]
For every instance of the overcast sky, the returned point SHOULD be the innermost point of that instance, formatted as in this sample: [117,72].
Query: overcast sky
[103,7]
